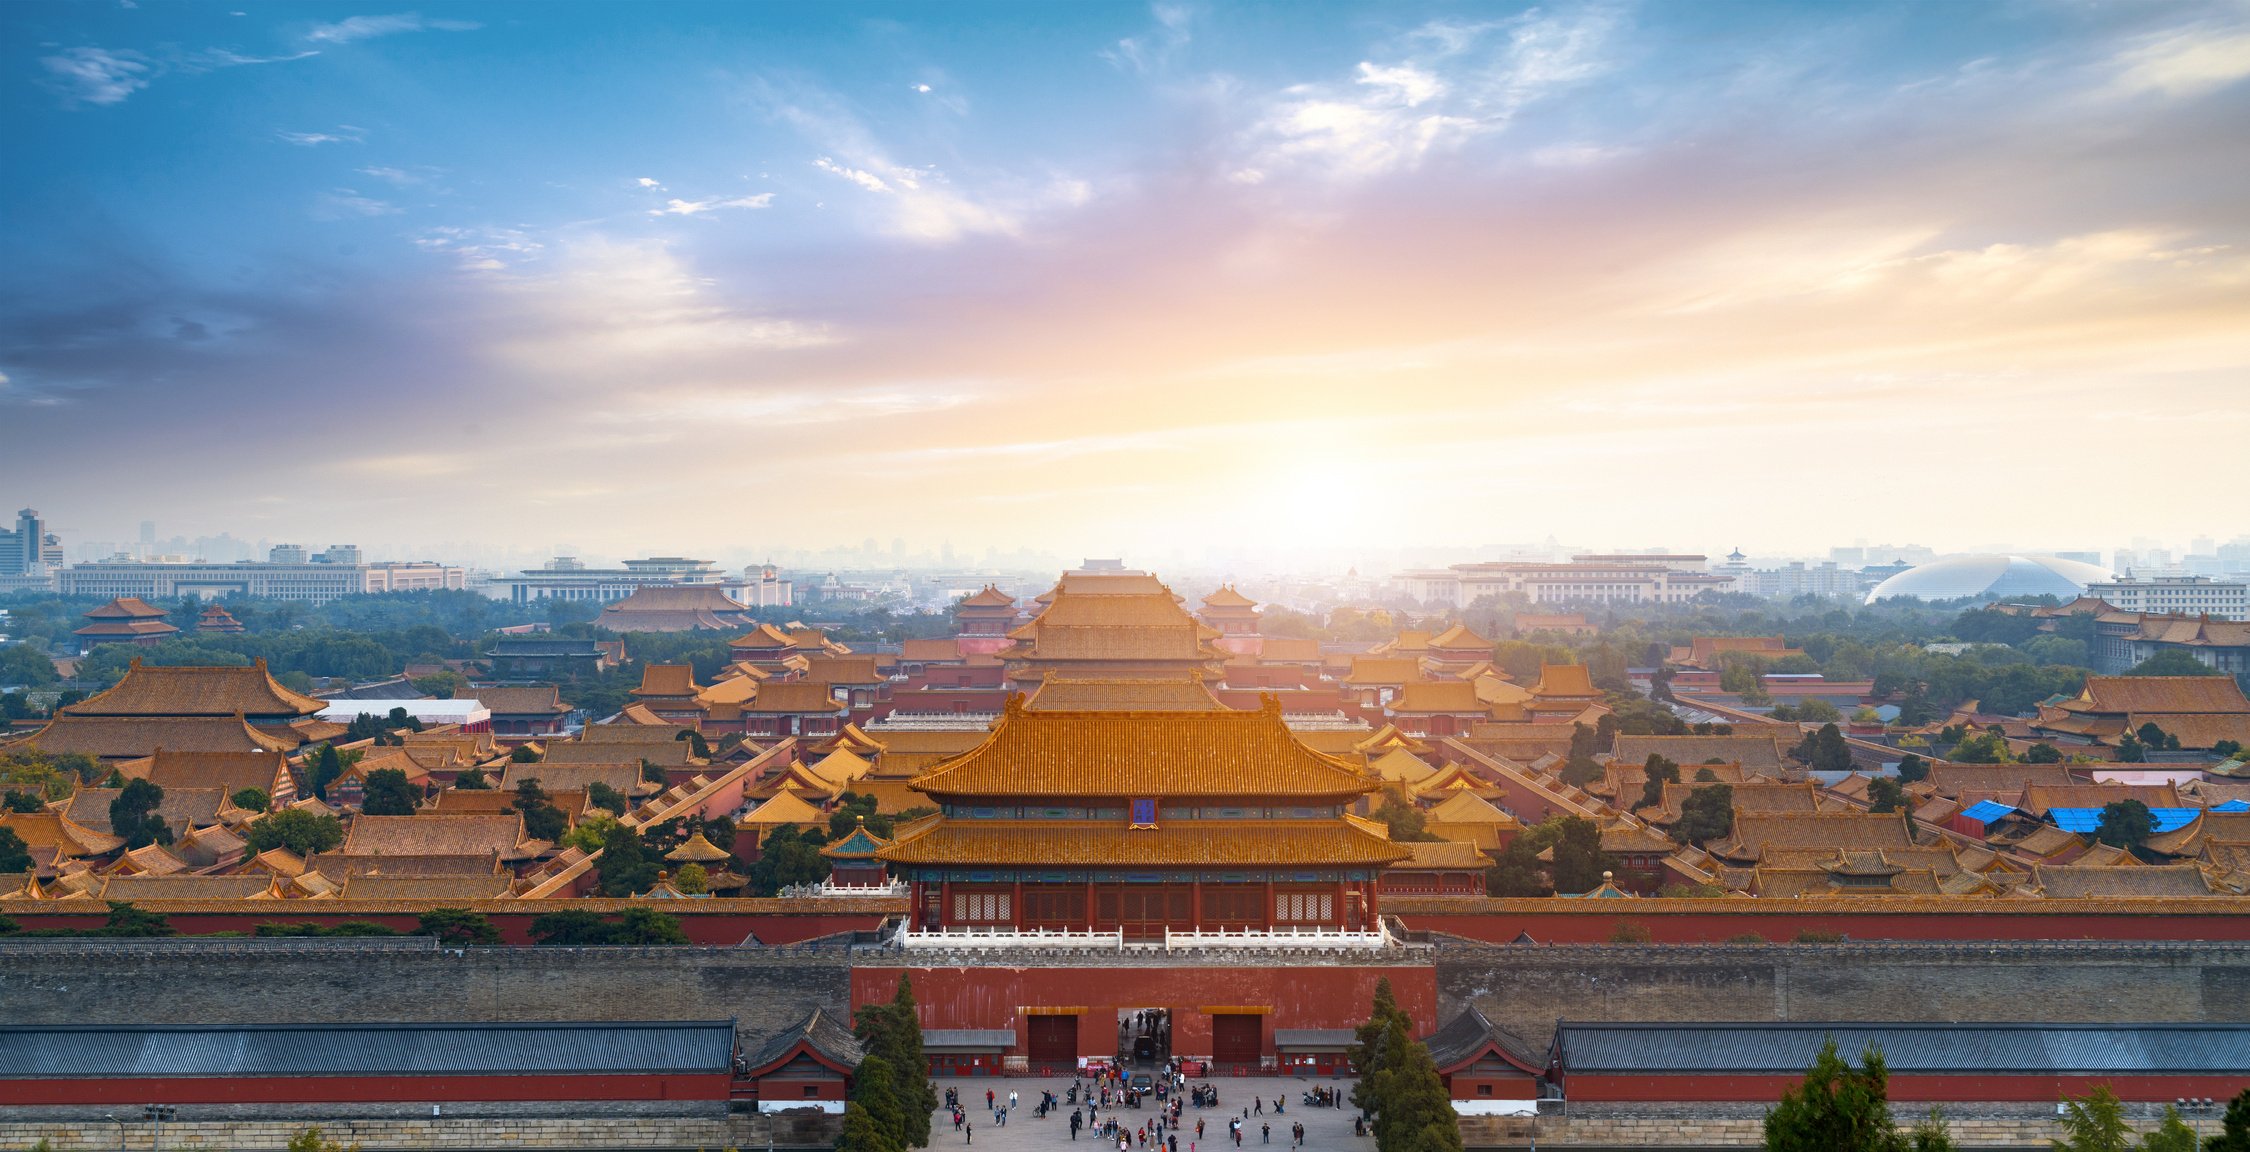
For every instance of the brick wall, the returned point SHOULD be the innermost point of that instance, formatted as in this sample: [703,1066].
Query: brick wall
[793,1130]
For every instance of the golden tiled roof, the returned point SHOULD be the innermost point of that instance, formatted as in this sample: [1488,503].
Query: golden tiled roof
[937,649]
[128,737]
[1443,855]
[2165,694]
[1567,681]
[1088,694]
[126,608]
[1180,843]
[233,771]
[1756,833]
[1469,808]
[2038,798]
[1751,752]
[842,670]
[434,835]
[784,808]
[1954,779]
[794,697]
[624,776]
[697,850]
[988,597]
[1288,650]
[338,867]
[666,680]
[171,886]
[1083,754]
[1106,584]
[427,888]
[51,829]
[1378,671]
[667,753]
[181,808]
[525,700]
[1114,627]
[630,733]
[1227,597]
[2196,730]
[1435,696]
[152,690]
[2064,881]
[1460,636]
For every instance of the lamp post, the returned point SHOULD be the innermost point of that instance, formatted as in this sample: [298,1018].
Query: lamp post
[158,1114]
[112,1118]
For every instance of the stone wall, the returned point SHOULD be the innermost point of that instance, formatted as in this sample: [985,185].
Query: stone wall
[136,982]
[1528,988]
[1737,1128]
[464,1134]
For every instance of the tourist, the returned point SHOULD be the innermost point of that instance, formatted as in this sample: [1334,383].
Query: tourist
[1265,1133]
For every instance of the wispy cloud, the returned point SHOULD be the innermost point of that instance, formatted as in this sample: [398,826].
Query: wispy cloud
[677,207]
[368,27]
[344,134]
[415,177]
[1448,83]
[97,75]
[344,203]
[481,249]
[1154,51]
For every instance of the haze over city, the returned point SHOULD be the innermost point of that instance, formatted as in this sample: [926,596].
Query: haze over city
[1098,279]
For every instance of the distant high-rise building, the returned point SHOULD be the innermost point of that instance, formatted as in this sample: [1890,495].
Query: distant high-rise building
[286,554]
[339,554]
[29,554]
[2177,596]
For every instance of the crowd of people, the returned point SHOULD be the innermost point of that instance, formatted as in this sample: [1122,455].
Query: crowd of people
[1099,1107]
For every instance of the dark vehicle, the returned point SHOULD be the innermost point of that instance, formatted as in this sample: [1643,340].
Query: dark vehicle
[1142,1082]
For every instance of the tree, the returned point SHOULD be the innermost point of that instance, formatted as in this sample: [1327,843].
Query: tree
[2042,753]
[627,866]
[692,879]
[2094,1124]
[126,920]
[133,815]
[603,796]
[1707,814]
[2125,824]
[16,801]
[472,779]
[789,856]
[252,800]
[876,1093]
[1369,1051]
[2172,1134]
[523,754]
[861,1132]
[541,819]
[1884,795]
[892,1032]
[1837,1108]
[1980,748]
[1579,860]
[570,928]
[1825,750]
[1402,817]
[648,926]
[312,1140]
[1660,772]
[302,833]
[2130,750]
[2227,749]
[15,856]
[1913,769]
[1415,1111]
[326,767]
[388,794]
[2234,1128]
[2170,662]
[1580,769]
[1931,1135]
[458,926]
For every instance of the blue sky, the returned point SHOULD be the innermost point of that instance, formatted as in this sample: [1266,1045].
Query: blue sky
[641,275]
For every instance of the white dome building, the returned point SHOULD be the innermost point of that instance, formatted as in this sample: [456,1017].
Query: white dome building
[1991,577]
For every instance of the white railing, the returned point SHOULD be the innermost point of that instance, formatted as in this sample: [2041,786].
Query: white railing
[1006,936]
[894,888]
[1278,938]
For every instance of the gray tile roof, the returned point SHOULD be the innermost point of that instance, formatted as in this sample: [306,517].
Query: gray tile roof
[1322,1039]
[38,1053]
[829,1036]
[1906,1048]
[958,1038]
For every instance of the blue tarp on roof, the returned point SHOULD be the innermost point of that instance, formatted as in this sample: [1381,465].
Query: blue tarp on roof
[2089,820]
[2232,806]
[1986,811]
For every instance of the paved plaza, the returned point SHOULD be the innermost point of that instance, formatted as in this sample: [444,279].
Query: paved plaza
[1326,1129]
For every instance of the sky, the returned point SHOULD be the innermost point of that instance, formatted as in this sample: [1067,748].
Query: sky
[1111,278]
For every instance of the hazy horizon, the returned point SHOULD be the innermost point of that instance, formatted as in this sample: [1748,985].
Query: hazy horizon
[1106,279]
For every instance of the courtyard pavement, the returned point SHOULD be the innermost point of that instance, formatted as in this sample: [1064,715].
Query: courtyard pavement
[1326,1129]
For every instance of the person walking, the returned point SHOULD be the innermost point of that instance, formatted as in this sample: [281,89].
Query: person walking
[1076,1121]
[1265,1133]
[988,1099]
[1258,1104]
[968,1134]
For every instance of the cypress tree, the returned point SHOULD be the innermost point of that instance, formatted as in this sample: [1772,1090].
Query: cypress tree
[1836,1109]
[861,1133]
[1368,1048]
[1417,1111]
[911,1066]
[876,1094]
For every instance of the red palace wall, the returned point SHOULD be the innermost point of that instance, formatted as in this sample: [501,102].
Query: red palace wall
[1967,1087]
[1299,997]
[363,1089]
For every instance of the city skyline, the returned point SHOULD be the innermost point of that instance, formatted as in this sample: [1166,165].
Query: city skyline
[1107,278]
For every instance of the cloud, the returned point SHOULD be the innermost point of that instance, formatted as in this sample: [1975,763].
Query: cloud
[481,249]
[676,207]
[2182,63]
[344,134]
[368,27]
[1453,83]
[402,177]
[647,182]
[97,75]
[924,88]
[344,203]
[867,180]
[1153,52]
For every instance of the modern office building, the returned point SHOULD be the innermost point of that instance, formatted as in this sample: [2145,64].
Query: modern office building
[310,582]
[2176,596]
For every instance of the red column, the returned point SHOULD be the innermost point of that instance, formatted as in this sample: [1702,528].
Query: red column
[1266,913]
[1015,906]
[1195,904]
[945,899]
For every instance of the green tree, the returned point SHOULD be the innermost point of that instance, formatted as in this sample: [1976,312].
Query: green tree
[313,1140]
[2130,750]
[1825,750]
[789,856]
[1931,1135]
[1369,1048]
[458,926]
[541,819]
[1837,1108]
[126,920]
[1403,818]
[1660,772]
[1980,748]
[252,799]
[608,799]
[2171,662]
[302,833]
[2234,1127]
[14,855]
[326,767]
[443,685]
[1579,860]
[892,1032]
[1580,769]
[875,1092]
[22,667]
[2042,753]
[1913,769]
[861,1132]
[570,928]
[1708,813]
[133,816]
[472,779]
[1416,1111]
[648,926]
[1884,795]
[16,801]
[2227,749]
[627,866]
[2094,1124]
[2125,824]
[523,754]
[2172,1134]
[387,793]
[692,879]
